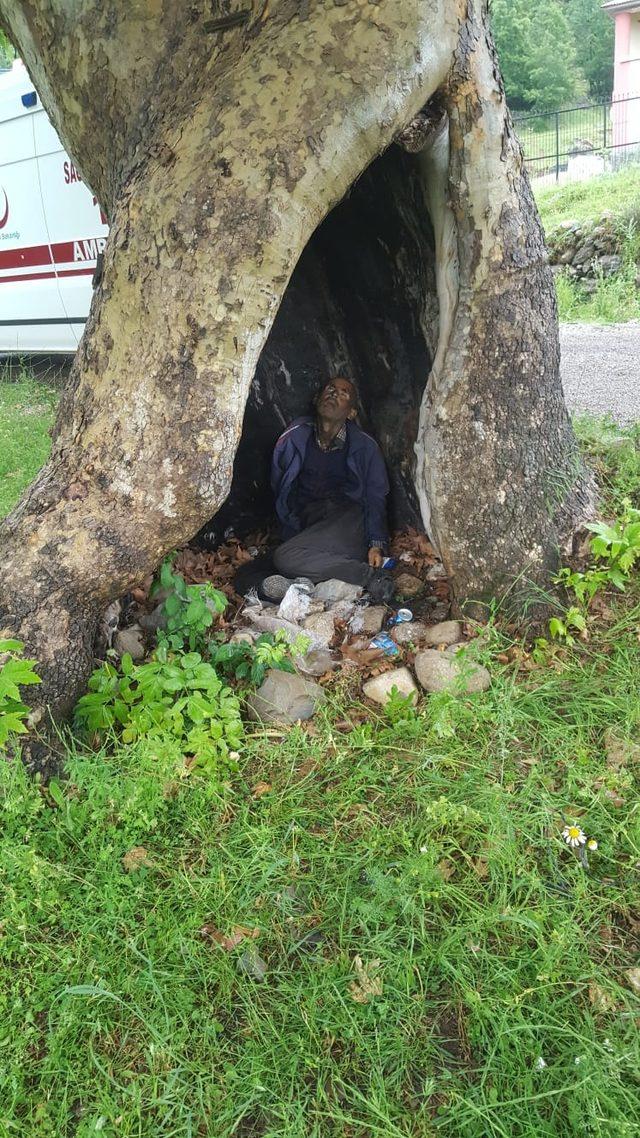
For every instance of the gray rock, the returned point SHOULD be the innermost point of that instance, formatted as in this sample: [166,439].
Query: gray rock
[407,585]
[130,640]
[379,688]
[436,572]
[321,626]
[334,590]
[155,620]
[284,697]
[266,621]
[341,610]
[610,264]
[369,620]
[471,648]
[439,672]
[252,964]
[317,662]
[584,254]
[413,632]
[447,632]
[243,636]
[440,611]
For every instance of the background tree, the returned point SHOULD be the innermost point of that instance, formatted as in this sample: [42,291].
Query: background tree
[218,138]
[593,35]
[6,50]
[536,48]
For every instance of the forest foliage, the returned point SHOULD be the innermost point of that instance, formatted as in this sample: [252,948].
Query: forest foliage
[553,52]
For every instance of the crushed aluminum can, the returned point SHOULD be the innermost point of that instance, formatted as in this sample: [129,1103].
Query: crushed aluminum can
[403,616]
[389,646]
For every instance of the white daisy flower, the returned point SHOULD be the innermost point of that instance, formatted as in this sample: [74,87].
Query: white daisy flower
[592,844]
[574,836]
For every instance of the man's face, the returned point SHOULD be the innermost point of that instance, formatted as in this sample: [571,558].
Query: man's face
[337,400]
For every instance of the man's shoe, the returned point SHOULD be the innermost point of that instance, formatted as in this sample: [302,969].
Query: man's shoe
[275,587]
[380,587]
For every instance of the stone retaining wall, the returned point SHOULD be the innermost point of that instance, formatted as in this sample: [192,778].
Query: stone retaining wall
[588,250]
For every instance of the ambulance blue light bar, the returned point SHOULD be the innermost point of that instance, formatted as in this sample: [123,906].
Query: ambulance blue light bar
[30,99]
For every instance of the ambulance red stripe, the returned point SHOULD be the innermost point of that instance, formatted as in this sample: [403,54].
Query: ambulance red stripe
[33,255]
[88,272]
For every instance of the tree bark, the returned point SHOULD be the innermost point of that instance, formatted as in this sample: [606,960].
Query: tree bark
[217,139]
[500,480]
[211,201]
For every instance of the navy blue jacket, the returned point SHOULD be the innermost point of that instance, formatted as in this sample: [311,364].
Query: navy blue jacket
[369,483]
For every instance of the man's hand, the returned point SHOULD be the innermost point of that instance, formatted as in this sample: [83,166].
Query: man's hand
[375,557]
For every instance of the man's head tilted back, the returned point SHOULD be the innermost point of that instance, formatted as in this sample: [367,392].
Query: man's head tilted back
[337,400]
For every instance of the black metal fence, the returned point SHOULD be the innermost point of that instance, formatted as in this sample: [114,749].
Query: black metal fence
[581,142]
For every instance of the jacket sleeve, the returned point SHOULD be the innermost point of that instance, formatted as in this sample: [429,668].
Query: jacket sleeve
[281,485]
[376,490]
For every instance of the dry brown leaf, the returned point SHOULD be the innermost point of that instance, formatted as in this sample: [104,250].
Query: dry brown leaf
[261,788]
[238,934]
[367,983]
[614,798]
[446,868]
[633,976]
[136,858]
[307,767]
[620,752]
[481,867]
[600,999]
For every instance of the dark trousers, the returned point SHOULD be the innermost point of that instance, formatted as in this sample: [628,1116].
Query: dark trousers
[332,545]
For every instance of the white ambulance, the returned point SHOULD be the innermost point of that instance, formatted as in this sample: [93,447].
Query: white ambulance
[51,228]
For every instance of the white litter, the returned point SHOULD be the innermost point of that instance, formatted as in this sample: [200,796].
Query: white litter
[295,605]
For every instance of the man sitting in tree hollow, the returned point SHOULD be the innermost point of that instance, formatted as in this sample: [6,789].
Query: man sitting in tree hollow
[330,485]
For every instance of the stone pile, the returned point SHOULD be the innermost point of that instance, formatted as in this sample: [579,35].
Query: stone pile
[451,666]
[587,250]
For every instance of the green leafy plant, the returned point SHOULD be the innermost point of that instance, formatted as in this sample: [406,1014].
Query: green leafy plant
[177,699]
[563,628]
[14,674]
[400,709]
[618,544]
[584,585]
[190,610]
[251,662]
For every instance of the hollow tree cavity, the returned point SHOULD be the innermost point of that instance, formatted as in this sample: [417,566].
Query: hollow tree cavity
[226,143]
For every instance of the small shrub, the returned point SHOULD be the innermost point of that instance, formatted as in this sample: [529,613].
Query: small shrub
[176,699]
[563,628]
[190,610]
[14,674]
[616,546]
[251,662]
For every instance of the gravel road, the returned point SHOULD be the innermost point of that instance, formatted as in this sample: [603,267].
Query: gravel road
[601,368]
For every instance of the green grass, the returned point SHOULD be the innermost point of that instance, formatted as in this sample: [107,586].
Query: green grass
[26,414]
[428,847]
[585,201]
[617,298]
[615,301]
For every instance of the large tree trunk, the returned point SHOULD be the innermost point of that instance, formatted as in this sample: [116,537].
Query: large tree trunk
[217,139]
